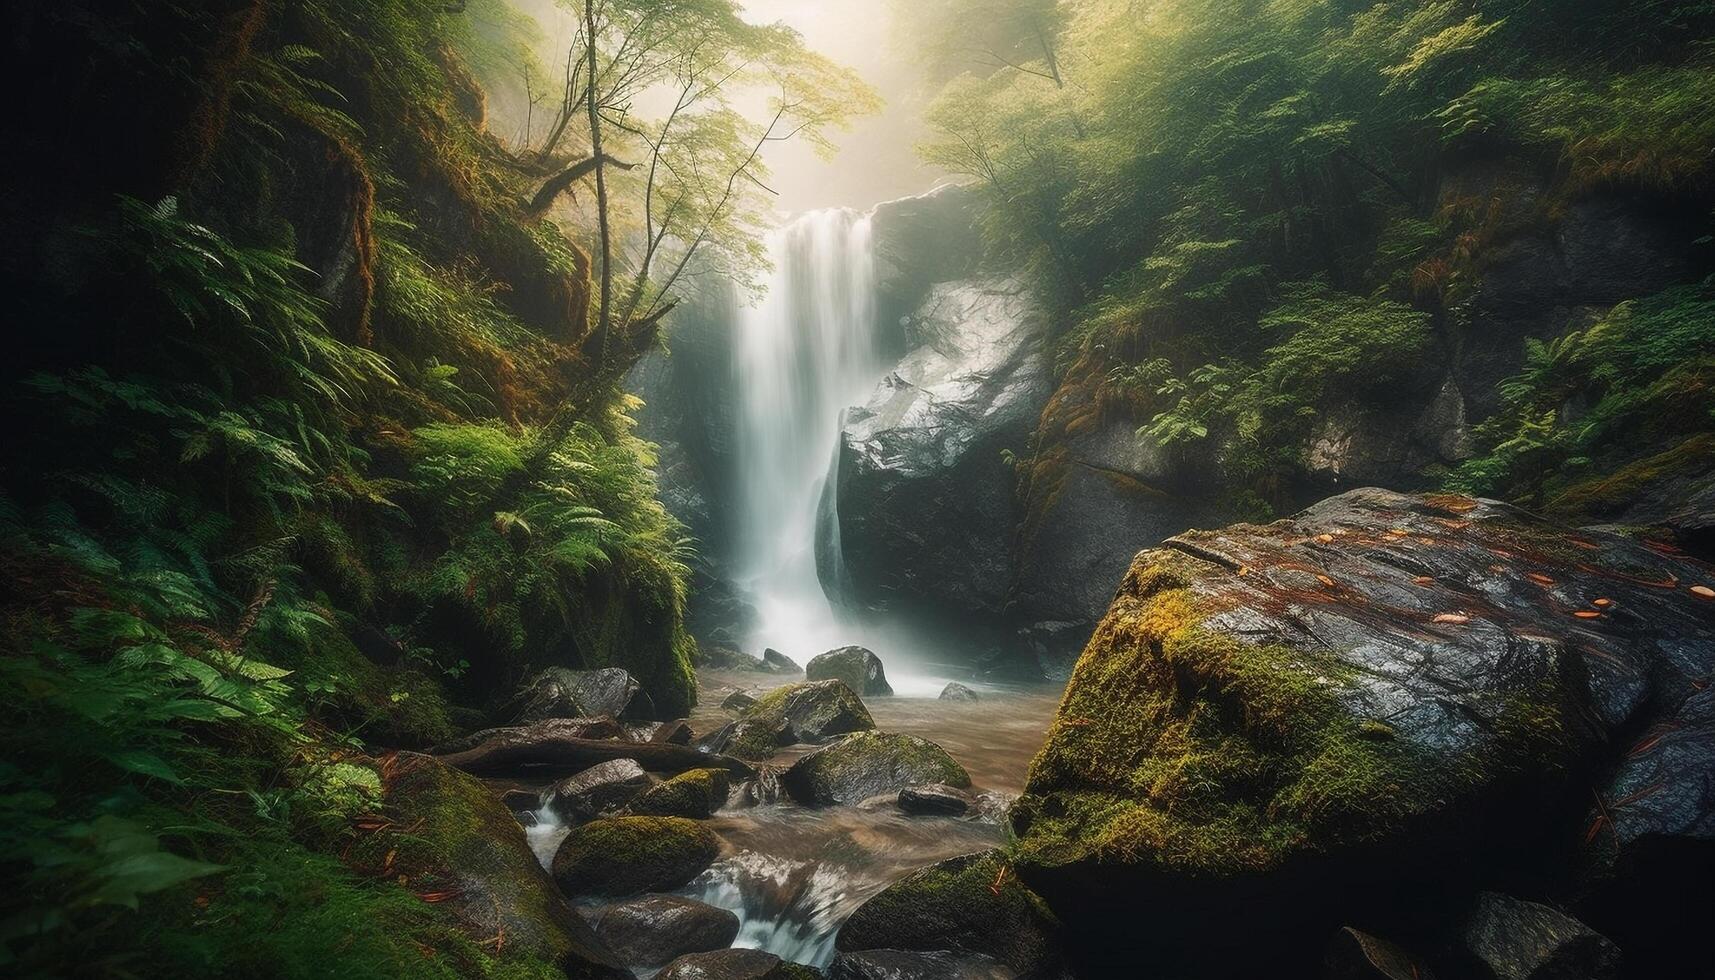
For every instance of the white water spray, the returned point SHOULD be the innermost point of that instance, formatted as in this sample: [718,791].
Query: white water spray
[803,354]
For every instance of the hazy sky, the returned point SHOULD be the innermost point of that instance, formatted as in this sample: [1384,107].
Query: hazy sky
[877,159]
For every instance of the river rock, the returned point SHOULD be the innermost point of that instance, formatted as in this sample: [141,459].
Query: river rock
[735,964]
[1519,940]
[954,691]
[599,789]
[870,764]
[905,964]
[463,842]
[549,728]
[780,663]
[673,733]
[937,798]
[858,667]
[721,656]
[1334,713]
[1355,955]
[620,856]
[755,739]
[738,701]
[972,904]
[561,693]
[655,929]
[696,794]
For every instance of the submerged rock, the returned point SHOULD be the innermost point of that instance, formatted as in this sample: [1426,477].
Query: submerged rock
[954,691]
[735,964]
[561,693]
[971,904]
[601,788]
[465,843]
[858,667]
[738,701]
[653,930]
[620,856]
[870,764]
[696,794]
[1334,715]
[936,798]
[1518,940]
[903,964]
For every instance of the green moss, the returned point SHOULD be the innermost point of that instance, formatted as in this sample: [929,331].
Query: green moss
[1189,750]
[697,794]
[619,856]
[1607,495]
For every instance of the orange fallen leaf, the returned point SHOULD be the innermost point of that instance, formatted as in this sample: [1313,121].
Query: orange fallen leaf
[1451,618]
[1601,603]
[1586,545]
[1244,569]
[1399,532]
[1423,580]
[1539,578]
[1703,591]
[1325,538]
[1325,580]
[1587,614]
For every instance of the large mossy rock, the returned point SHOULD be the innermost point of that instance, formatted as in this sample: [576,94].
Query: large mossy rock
[1340,716]
[465,845]
[970,904]
[602,788]
[859,668]
[868,764]
[620,856]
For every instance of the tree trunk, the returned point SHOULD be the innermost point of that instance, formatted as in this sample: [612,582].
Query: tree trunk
[510,749]
[600,185]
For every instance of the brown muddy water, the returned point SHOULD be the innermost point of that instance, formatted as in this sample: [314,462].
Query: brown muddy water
[794,874]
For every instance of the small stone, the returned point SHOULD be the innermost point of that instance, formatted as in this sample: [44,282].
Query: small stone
[936,798]
[955,691]
[599,789]
[730,964]
[1354,955]
[654,929]
[738,701]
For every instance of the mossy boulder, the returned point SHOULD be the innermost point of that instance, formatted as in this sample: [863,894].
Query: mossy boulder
[813,710]
[465,847]
[1332,718]
[735,964]
[971,904]
[558,692]
[869,764]
[696,794]
[859,668]
[620,856]
[602,788]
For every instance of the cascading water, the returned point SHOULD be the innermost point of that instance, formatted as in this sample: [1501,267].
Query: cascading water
[802,354]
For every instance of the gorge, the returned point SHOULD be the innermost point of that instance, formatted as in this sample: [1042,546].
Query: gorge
[760,490]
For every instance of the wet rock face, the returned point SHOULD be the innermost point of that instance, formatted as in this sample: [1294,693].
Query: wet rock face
[937,798]
[1518,940]
[902,964]
[733,964]
[860,669]
[925,498]
[954,691]
[970,905]
[621,856]
[870,764]
[653,930]
[1368,700]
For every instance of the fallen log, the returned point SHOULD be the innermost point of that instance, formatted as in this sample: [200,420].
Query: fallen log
[596,728]
[512,749]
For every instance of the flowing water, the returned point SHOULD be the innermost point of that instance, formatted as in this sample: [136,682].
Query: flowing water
[802,355]
[793,875]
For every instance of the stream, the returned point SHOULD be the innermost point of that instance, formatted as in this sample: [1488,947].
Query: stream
[793,874]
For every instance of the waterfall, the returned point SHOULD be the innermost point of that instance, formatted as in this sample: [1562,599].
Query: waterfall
[804,352]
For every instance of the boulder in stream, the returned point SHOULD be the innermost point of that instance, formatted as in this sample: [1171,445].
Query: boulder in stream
[1518,940]
[780,663]
[602,788]
[814,710]
[858,667]
[972,904]
[559,692]
[869,764]
[906,964]
[738,701]
[735,964]
[1340,716]
[937,799]
[465,844]
[620,856]
[954,691]
[655,929]
[696,794]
